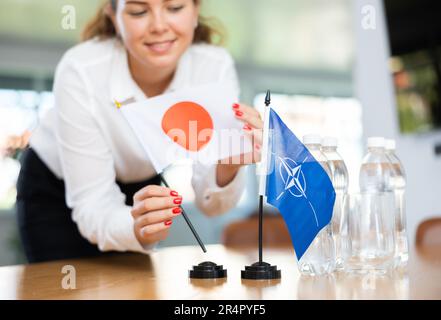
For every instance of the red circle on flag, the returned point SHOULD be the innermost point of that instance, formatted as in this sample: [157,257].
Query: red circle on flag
[189,125]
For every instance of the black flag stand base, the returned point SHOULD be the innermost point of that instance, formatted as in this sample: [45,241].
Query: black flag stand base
[261,271]
[207,270]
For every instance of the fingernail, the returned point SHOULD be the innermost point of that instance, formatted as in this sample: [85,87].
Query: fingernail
[236,106]
[258,146]
[168,223]
[177,210]
[247,127]
[177,201]
[174,194]
[239,113]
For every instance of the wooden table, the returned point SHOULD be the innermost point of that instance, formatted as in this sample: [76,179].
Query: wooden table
[164,275]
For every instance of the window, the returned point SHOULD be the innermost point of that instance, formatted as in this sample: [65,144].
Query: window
[326,116]
[20,111]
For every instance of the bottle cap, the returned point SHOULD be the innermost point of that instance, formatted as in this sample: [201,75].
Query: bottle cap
[329,142]
[390,144]
[375,142]
[312,139]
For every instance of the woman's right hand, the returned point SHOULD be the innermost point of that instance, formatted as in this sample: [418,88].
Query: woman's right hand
[154,208]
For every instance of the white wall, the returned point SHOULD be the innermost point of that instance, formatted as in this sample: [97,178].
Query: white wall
[374,88]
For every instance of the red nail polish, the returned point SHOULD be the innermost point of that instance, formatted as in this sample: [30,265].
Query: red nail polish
[168,223]
[177,210]
[239,113]
[247,127]
[236,106]
[174,194]
[177,201]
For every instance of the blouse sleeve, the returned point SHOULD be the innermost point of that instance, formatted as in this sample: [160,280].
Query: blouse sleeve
[212,199]
[98,205]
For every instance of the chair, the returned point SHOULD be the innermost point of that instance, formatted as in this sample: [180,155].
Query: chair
[429,233]
[245,233]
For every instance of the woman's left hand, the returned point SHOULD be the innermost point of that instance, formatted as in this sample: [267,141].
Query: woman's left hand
[253,127]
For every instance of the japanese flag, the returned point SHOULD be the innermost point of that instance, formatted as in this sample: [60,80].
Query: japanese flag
[194,123]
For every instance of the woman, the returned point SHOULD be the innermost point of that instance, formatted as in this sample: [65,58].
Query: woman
[85,186]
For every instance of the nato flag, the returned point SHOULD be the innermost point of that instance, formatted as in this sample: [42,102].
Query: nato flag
[297,185]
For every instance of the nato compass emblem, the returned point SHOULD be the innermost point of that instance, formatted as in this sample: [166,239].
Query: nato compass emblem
[295,183]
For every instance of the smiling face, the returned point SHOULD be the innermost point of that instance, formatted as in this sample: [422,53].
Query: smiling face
[156,32]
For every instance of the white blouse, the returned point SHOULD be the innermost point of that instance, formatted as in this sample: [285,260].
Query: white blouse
[86,142]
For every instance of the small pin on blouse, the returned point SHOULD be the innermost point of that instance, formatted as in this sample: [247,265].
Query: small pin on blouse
[123,103]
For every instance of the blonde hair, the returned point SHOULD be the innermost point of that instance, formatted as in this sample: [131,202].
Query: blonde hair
[101,27]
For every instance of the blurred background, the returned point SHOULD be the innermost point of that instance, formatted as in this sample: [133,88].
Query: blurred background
[346,68]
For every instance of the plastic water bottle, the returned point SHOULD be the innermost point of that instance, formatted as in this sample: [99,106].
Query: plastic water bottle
[376,169]
[340,181]
[399,186]
[375,243]
[319,259]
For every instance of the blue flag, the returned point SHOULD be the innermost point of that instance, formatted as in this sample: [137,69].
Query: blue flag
[297,185]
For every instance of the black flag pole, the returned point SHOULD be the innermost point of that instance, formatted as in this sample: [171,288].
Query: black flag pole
[267,103]
[261,270]
[187,219]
